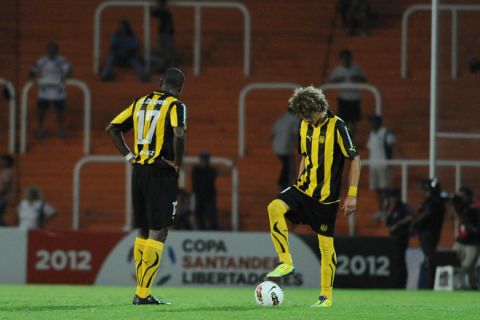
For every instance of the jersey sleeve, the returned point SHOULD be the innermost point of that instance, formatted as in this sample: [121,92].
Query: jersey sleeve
[124,120]
[345,142]
[178,115]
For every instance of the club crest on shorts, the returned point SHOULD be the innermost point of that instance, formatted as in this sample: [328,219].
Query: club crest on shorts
[174,204]
[324,227]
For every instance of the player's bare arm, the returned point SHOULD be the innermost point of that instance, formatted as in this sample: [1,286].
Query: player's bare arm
[119,142]
[350,204]
[179,142]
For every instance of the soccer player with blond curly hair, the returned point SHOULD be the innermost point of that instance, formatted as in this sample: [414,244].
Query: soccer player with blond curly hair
[324,143]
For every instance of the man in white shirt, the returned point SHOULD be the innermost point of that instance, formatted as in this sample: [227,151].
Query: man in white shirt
[381,143]
[349,106]
[54,69]
[33,211]
[284,139]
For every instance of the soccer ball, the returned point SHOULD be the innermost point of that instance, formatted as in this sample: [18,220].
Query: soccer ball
[268,294]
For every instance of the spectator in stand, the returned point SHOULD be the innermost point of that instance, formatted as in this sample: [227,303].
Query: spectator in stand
[52,70]
[6,184]
[343,8]
[165,56]
[467,243]
[204,176]
[381,144]
[33,211]
[428,225]
[360,14]
[349,106]
[399,217]
[355,15]
[184,219]
[285,136]
[124,52]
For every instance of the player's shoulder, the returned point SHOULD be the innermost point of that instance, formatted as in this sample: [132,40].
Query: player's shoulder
[334,117]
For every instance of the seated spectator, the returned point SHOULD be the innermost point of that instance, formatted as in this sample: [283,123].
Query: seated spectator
[164,58]
[124,52]
[33,211]
[349,104]
[6,184]
[53,70]
[355,15]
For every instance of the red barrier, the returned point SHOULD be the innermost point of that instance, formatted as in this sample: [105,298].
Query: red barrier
[70,257]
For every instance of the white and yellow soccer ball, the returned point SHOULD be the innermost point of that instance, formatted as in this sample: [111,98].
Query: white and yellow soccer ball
[268,294]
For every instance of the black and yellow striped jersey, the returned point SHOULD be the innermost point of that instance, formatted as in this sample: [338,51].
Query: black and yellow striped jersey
[153,118]
[325,148]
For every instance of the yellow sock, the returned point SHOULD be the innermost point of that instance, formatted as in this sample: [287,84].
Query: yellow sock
[327,266]
[279,230]
[138,248]
[149,267]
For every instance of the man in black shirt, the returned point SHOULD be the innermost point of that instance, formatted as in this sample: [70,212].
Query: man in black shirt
[428,224]
[399,217]
[203,185]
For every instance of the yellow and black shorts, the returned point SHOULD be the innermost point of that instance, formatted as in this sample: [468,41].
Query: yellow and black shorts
[306,210]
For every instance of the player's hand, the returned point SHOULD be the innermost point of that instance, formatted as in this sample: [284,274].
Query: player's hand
[349,206]
[171,163]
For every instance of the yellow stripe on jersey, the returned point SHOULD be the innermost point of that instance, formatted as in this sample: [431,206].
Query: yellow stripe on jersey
[303,137]
[124,115]
[174,116]
[328,159]
[303,149]
[314,155]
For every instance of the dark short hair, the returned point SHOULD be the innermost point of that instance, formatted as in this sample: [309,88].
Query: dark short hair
[394,193]
[375,118]
[345,52]
[173,78]
[467,191]
[8,159]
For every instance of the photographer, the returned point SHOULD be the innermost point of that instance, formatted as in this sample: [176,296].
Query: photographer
[467,243]
[399,217]
[428,225]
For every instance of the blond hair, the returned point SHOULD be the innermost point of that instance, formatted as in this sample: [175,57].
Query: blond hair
[307,100]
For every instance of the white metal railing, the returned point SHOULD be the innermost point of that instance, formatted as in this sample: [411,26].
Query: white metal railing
[454,8]
[242,105]
[197,5]
[405,164]
[292,86]
[87,105]
[458,135]
[128,198]
[77,183]
[12,103]
[358,86]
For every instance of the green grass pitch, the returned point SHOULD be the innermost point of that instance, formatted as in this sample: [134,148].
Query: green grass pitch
[98,302]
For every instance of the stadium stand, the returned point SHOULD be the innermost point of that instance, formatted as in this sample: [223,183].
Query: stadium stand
[289,44]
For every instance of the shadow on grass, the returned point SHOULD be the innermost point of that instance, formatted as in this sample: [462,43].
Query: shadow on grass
[224,308]
[54,307]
